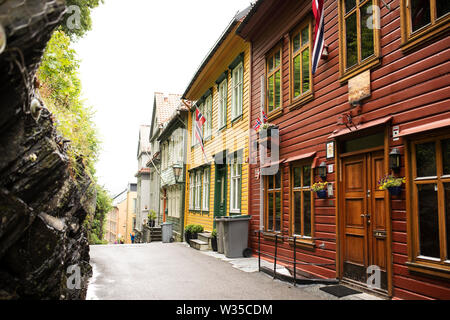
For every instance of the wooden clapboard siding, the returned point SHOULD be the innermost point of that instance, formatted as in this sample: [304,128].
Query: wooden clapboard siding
[232,138]
[413,87]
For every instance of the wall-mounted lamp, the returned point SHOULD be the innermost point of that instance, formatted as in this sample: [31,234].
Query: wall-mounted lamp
[324,52]
[177,169]
[394,160]
[322,171]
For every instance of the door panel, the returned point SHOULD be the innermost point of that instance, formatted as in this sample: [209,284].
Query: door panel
[364,216]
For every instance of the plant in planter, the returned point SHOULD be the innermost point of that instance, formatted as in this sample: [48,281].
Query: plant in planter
[191,231]
[391,183]
[151,218]
[320,188]
[214,240]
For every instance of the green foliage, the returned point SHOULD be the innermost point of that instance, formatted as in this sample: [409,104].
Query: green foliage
[152,215]
[193,228]
[85,7]
[61,91]
[214,233]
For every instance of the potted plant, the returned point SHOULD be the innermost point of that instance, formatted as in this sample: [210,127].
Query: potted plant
[320,188]
[151,218]
[214,240]
[187,232]
[391,183]
[267,128]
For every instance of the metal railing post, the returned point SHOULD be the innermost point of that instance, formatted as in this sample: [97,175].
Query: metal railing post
[295,260]
[275,260]
[259,251]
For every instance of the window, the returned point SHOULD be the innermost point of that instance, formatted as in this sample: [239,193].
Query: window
[235,187]
[134,205]
[198,189]
[194,140]
[273,202]
[423,19]
[191,191]
[301,200]
[359,37]
[237,91]
[301,61]
[222,110]
[430,197]
[273,78]
[205,198]
[206,110]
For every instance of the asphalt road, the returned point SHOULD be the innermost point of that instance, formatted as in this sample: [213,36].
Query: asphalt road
[174,271]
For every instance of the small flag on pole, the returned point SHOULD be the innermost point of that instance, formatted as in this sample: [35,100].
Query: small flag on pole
[257,125]
[265,117]
[200,120]
[317,7]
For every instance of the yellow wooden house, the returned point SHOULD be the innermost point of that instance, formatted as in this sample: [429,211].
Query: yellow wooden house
[217,180]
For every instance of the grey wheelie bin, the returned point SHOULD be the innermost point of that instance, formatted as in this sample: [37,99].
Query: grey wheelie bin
[166,231]
[235,236]
[220,233]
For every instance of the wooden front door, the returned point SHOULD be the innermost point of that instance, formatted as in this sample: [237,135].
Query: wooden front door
[363,217]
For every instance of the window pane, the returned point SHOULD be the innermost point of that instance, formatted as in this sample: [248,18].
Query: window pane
[442,7]
[447,216]
[420,13]
[277,59]
[270,64]
[306,176]
[351,39]
[270,178]
[270,94]
[426,159]
[428,220]
[270,211]
[446,155]
[278,179]
[367,48]
[297,213]
[278,211]
[296,42]
[305,36]
[277,89]
[305,70]
[297,76]
[349,5]
[307,213]
[297,177]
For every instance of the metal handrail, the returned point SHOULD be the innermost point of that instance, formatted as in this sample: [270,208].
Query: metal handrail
[294,262]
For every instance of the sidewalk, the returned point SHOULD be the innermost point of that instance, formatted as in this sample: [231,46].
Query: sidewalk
[251,265]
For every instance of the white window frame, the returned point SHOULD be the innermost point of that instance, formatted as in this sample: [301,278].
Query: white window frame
[237,91]
[223,101]
[194,141]
[191,191]
[207,113]
[198,190]
[235,183]
[205,194]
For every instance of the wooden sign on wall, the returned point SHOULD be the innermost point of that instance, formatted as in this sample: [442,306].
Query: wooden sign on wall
[359,87]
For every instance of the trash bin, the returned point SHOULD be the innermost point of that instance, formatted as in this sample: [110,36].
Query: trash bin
[235,235]
[166,231]
[220,233]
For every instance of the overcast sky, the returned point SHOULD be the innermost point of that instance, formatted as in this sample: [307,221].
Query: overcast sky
[136,48]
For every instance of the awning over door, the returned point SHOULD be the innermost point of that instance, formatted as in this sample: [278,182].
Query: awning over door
[361,127]
[425,127]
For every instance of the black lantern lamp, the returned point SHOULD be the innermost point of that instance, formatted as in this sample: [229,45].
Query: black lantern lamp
[177,169]
[322,171]
[394,160]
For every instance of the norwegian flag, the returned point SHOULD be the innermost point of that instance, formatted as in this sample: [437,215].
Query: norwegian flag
[257,124]
[265,118]
[317,6]
[200,120]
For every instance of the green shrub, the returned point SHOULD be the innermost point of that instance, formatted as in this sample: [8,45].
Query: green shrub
[193,228]
[214,233]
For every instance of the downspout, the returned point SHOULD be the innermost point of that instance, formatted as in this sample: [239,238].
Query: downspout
[261,182]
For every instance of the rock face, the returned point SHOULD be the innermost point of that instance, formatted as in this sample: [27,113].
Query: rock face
[43,243]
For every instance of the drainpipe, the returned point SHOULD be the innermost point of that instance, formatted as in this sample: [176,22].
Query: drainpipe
[261,182]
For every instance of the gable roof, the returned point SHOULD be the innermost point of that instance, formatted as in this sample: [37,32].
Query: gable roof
[238,17]
[163,108]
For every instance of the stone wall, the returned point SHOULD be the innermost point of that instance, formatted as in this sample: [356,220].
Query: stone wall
[42,206]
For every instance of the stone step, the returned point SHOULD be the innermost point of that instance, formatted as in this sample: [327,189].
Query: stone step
[206,236]
[199,244]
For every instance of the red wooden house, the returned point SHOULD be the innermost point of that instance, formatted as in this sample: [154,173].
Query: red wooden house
[380,95]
